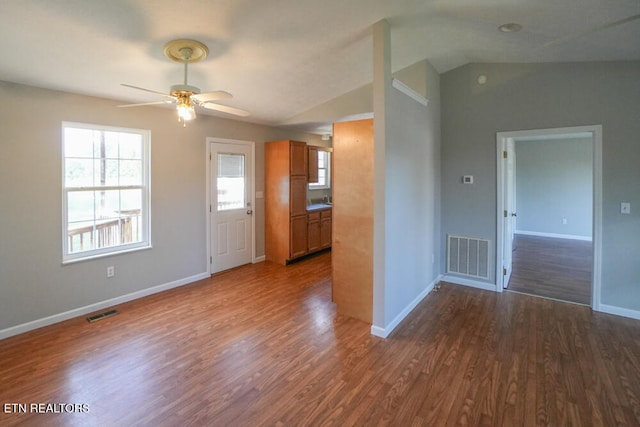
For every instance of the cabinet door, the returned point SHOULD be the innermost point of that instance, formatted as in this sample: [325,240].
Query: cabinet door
[313,229]
[325,233]
[312,156]
[298,158]
[298,236]
[298,196]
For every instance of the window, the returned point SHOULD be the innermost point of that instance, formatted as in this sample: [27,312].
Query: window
[324,172]
[105,177]
[231,191]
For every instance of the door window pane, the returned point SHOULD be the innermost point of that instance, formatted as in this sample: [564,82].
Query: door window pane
[230,181]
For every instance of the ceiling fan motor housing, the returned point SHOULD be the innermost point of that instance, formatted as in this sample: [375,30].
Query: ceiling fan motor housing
[184,89]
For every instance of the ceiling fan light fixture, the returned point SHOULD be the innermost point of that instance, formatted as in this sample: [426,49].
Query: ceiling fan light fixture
[186,110]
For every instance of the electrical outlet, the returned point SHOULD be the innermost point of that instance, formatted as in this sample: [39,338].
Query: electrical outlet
[111,271]
[564,221]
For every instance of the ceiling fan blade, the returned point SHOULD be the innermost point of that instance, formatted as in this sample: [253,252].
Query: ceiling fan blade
[146,90]
[146,103]
[225,109]
[212,96]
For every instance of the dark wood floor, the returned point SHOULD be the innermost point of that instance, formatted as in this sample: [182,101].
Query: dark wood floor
[552,268]
[262,345]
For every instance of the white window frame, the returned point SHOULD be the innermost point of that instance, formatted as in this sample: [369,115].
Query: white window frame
[145,214]
[327,186]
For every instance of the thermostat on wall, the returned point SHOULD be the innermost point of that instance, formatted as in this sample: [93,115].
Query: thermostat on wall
[467,179]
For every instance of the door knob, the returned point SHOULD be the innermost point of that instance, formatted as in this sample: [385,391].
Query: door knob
[514,214]
[249,212]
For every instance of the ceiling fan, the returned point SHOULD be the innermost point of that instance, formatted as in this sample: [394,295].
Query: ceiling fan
[185,96]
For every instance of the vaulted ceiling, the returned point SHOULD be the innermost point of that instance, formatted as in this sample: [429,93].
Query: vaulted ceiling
[283,57]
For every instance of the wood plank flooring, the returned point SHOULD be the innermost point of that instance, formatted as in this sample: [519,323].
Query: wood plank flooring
[552,268]
[262,345]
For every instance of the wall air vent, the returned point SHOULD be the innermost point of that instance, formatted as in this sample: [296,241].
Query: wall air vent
[468,256]
[101,316]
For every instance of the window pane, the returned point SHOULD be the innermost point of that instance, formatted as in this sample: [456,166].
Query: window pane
[78,143]
[322,159]
[106,173]
[110,141]
[322,177]
[130,202]
[230,165]
[78,172]
[107,204]
[130,146]
[130,172]
[230,193]
[230,182]
[80,206]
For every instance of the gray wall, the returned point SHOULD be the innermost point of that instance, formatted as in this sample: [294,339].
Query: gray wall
[33,282]
[412,187]
[539,96]
[554,182]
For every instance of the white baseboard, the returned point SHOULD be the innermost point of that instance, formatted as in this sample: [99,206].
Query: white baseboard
[259,259]
[554,235]
[619,311]
[469,282]
[50,320]
[384,332]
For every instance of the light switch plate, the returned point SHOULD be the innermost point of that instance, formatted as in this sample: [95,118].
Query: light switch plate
[625,208]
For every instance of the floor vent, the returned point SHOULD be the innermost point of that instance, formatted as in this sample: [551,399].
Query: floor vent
[101,316]
[468,256]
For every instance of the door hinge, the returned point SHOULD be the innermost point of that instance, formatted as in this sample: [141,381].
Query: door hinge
[504,154]
[209,156]
[505,214]
[210,260]
[504,271]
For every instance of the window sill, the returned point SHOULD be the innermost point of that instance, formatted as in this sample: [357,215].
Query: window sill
[106,254]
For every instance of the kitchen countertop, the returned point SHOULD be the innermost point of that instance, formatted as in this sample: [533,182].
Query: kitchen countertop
[318,207]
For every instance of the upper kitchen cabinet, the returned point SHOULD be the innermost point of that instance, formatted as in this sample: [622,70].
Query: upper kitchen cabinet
[318,165]
[312,164]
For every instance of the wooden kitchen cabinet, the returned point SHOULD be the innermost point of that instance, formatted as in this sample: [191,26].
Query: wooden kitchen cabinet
[325,229]
[298,197]
[313,232]
[285,200]
[312,164]
[298,237]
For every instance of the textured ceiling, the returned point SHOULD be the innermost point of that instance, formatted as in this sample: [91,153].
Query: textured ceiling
[280,58]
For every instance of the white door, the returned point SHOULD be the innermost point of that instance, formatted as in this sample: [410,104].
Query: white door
[509,214]
[231,209]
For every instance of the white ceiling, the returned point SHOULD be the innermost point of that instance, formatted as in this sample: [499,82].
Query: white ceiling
[280,58]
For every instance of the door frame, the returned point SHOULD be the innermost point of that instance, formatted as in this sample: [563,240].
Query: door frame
[252,193]
[596,132]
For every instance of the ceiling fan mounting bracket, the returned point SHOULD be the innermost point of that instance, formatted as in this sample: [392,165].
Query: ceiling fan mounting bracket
[185,51]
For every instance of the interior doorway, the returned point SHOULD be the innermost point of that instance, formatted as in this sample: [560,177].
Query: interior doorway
[531,243]
[230,202]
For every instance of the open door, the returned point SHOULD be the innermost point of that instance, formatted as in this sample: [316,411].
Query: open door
[509,214]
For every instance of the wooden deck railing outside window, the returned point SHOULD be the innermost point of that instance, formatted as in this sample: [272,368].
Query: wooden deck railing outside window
[102,234]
